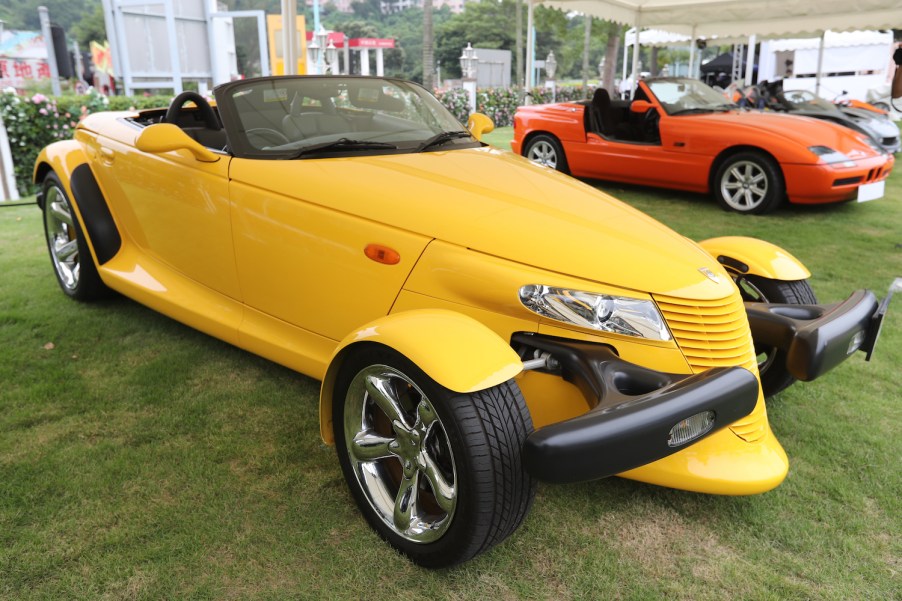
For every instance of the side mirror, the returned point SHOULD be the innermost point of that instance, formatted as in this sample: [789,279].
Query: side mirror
[479,124]
[166,137]
[641,106]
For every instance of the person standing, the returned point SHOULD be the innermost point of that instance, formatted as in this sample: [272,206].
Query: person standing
[897,77]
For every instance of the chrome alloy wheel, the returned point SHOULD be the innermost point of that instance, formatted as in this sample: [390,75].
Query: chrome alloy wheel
[744,186]
[400,454]
[543,153]
[765,355]
[61,238]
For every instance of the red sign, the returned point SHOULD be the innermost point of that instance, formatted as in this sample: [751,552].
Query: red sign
[336,37]
[371,43]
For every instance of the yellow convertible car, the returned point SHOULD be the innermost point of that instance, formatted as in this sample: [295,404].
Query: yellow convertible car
[478,322]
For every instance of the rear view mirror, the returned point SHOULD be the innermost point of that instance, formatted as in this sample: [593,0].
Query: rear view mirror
[641,106]
[479,124]
[166,137]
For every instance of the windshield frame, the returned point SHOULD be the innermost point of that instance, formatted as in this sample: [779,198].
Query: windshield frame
[402,119]
[698,97]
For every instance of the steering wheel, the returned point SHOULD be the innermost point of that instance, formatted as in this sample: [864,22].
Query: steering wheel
[174,112]
[266,135]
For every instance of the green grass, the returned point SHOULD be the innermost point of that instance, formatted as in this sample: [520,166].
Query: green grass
[140,459]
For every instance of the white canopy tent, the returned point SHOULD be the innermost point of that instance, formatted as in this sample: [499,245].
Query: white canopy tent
[725,18]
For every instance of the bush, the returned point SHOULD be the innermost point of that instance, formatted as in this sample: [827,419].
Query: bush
[500,104]
[33,122]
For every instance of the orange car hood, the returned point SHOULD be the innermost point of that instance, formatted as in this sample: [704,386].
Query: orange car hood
[806,131]
[497,203]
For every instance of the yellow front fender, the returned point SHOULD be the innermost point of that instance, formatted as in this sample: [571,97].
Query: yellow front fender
[61,157]
[749,256]
[456,351]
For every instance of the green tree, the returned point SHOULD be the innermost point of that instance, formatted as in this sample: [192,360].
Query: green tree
[90,28]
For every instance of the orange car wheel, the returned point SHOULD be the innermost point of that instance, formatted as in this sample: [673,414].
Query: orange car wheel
[749,182]
[546,150]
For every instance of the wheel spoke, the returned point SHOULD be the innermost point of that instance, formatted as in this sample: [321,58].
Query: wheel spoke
[67,250]
[380,391]
[406,501]
[367,446]
[443,490]
[426,415]
[59,211]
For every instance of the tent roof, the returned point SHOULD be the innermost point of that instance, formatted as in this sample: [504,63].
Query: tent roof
[706,18]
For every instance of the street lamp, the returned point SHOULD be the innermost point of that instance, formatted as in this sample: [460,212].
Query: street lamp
[313,52]
[332,58]
[468,62]
[550,68]
[321,36]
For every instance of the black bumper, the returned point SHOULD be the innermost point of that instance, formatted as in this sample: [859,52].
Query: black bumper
[817,338]
[635,410]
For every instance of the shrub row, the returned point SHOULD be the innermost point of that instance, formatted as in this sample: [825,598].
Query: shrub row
[35,121]
[501,103]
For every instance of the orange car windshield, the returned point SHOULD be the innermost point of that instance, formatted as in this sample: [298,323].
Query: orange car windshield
[686,96]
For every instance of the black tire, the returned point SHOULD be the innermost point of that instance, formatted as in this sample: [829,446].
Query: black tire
[749,182]
[471,443]
[771,361]
[70,256]
[546,150]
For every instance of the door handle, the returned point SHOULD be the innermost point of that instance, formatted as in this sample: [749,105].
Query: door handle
[107,154]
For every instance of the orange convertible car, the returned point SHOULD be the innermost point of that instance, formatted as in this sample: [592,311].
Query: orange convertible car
[679,133]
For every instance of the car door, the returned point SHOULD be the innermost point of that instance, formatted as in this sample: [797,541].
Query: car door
[174,207]
[304,255]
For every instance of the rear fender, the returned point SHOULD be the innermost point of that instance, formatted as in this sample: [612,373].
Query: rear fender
[453,349]
[749,256]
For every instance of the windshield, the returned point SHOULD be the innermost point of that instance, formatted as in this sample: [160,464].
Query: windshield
[805,100]
[685,96]
[301,117]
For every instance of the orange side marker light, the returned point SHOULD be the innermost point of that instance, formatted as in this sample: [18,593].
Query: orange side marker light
[382,254]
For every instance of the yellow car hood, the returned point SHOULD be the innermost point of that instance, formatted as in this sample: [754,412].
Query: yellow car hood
[497,203]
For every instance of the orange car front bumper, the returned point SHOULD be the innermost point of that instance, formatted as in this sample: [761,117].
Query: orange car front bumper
[820,184]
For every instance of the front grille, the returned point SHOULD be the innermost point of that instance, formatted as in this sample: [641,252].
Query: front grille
[845,181]
[890,141]
[715,333]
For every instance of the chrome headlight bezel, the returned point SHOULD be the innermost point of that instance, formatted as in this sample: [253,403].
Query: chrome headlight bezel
[831,157]
[614,314]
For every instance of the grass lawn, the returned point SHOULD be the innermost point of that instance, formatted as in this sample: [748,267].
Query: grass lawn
[140,459]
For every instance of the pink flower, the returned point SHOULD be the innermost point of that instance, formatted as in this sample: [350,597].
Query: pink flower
[42,111]
[38,98]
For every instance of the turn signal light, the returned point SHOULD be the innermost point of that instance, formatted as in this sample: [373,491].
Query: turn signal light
[691,428]
[382,254]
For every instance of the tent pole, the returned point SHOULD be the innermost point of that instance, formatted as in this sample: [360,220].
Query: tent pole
[626,55]
[750,59]
[820,63]
[689,72]
[635,61]
[530,51]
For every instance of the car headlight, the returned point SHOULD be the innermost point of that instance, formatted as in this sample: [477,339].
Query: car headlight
[829,156]
[603,312]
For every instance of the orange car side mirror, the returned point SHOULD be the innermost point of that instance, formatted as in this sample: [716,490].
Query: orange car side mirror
[641,106]
[166,137]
